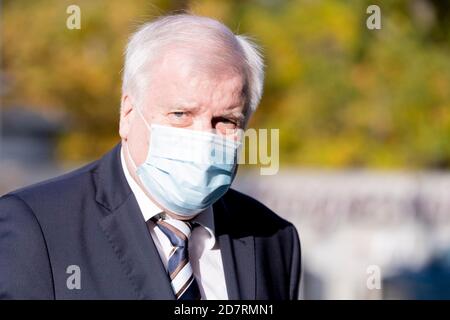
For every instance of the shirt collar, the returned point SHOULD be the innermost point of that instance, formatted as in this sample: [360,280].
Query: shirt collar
[149,209]
[206,219]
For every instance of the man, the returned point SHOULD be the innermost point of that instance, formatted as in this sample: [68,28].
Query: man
[152,219]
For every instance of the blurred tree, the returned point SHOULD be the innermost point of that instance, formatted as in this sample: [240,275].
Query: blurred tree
[341,95]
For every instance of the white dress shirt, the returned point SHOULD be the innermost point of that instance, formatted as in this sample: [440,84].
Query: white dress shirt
[204,251]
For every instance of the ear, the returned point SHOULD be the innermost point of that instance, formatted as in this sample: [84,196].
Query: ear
[126,116]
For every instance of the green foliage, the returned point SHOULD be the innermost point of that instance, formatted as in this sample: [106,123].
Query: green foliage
[342,95]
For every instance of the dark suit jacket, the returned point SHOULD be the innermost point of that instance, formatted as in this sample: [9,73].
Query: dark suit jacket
[91,219]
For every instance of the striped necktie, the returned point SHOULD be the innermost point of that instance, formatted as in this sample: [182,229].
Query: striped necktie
[179,268]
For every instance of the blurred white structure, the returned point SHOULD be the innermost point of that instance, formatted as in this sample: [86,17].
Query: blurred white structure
[350,221]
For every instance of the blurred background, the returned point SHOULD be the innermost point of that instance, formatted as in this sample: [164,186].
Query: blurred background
[364,119]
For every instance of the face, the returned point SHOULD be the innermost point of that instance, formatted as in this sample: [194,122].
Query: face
[183,97]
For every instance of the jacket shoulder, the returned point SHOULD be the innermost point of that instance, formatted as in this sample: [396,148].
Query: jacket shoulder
[57,187]
[25,271]
[250,212]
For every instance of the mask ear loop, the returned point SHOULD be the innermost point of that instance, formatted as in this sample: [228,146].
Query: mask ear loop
[138,110]
[131,158]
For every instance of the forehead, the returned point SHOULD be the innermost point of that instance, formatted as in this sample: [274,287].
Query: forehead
[178,77]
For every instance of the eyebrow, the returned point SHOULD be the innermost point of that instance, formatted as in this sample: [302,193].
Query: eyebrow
[229,112]
[184,107]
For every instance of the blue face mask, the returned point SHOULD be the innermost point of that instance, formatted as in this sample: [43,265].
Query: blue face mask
[186,171]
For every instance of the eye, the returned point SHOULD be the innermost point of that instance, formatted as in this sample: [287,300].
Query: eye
[227,121]
[179,114]
[180,118]
[225,125]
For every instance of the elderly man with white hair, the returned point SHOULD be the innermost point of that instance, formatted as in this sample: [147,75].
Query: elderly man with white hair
[155,218]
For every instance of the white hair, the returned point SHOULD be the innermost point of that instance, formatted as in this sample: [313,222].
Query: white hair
[191,32]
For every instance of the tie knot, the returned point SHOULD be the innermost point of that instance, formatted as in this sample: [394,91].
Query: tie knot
[177,231]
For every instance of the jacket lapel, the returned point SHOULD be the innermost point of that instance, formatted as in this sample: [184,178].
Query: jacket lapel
[126,231]
[238,253]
